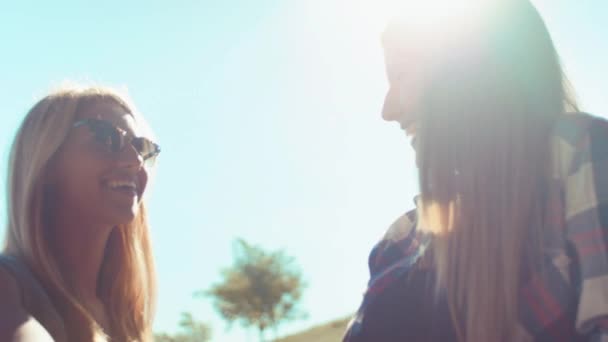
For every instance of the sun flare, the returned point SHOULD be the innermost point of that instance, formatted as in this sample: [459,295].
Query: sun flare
[421,14]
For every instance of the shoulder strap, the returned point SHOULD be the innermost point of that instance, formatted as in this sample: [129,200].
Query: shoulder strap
[34,298]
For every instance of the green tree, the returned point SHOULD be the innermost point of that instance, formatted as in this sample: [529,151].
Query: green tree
[261,289]
[192,331]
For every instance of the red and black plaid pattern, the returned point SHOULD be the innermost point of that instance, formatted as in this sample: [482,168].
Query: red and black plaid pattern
[566,301]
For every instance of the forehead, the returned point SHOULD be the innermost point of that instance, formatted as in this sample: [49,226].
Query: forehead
[408,46]
[111,111]
[412,55]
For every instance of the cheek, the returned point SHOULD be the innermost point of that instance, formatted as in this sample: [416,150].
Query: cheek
[402,101]
[143,181]
[77,178]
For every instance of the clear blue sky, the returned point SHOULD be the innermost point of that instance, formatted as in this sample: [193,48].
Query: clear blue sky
[268,115]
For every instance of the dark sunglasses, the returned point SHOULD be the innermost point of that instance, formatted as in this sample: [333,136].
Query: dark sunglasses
[115,139]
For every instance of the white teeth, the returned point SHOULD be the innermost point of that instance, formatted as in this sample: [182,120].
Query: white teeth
[121,183]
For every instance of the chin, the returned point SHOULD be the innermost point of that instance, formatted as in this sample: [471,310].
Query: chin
[124,216]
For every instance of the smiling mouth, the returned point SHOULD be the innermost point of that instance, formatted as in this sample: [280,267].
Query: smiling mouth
[409,128]
[128,188]
[125,191]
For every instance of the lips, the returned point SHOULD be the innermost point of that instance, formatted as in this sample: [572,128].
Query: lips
[125,186]
[409,128]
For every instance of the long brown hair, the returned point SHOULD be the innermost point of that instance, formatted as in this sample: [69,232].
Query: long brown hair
[484,154]
[127,284]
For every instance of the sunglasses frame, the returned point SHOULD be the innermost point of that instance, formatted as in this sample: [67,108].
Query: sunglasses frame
[124,138]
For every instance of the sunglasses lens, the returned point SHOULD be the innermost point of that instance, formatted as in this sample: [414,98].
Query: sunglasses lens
[108,136]
[146,148]
[114,140]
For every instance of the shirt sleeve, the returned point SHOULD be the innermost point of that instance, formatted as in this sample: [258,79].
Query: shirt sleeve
[390,257]
[586,214]
[396,244]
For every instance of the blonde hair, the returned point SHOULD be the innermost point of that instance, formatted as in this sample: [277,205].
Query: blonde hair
[484,154]
[127,284]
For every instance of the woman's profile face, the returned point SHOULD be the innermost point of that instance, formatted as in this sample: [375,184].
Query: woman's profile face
[406,82]
[98,185]
[408,64]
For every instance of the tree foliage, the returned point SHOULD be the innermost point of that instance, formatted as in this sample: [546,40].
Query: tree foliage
[261,289]
[192,331]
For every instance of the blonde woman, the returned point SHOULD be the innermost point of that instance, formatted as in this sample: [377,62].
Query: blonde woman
[509,241]
[77,264]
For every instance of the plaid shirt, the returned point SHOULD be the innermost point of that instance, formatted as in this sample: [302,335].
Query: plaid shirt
[569,300]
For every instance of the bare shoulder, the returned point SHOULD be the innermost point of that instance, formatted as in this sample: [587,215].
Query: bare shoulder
[16,324]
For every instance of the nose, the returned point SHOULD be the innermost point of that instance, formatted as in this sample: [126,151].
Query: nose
[130,158]
[391,110]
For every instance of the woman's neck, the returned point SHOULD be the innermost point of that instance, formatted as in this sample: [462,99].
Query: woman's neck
[79,249]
